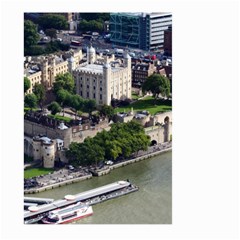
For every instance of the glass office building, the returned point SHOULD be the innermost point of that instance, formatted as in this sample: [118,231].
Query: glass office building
[139,30]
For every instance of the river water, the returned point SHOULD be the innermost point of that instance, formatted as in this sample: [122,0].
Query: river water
[151,204]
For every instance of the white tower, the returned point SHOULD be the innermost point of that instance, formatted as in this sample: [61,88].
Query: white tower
[107,81]
[127,64]
[91,55]
[71,64]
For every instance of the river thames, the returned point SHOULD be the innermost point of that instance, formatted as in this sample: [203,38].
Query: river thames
[151,204]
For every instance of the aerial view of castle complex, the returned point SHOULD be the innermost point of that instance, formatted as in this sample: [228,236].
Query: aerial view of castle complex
[98,105]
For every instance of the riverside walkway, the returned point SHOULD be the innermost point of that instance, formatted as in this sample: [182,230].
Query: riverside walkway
[65,176]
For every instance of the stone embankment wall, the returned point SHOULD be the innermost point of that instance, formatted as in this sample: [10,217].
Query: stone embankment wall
[56,185]
[121,164]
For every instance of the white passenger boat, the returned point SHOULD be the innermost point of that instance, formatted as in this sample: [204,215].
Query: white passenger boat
[68,214]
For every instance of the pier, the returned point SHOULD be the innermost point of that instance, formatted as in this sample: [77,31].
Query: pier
[91,197]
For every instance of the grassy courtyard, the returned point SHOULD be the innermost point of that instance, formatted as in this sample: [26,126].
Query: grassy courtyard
[61,118]
[34,172]
[148,104]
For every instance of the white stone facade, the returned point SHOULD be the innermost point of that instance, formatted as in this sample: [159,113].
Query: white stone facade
[104,81]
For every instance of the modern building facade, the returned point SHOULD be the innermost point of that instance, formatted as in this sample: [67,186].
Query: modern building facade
[139,30]
[104,79]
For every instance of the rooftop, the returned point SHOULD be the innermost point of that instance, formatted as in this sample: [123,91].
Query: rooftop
[96,68]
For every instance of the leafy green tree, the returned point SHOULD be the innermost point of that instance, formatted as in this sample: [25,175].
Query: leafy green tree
[123,139]
[51,32]
[74,153]
[107,111]
[112,149]
[30,100]
[40,93]
[83,25]
[95,152]
[95,16]
[157,84]
[91,25]
[31,35]
[55,21]
[54,107]
[34,50]
[77,103]
[89,106]
[27,84]
[64,81]
[63,98]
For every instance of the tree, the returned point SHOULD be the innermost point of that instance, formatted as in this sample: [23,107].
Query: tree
[107,111]
[27,84]
[123,139]
[54,107]
[113,149]
[64,81]
[95,152]
[31,35]
[40,93]
[83,25]
[89,106]
[55,21]
[74,153]
[51,32]
[91,25]
[30,100]
[157,84]
[63,98]
[95,16]
[77,103]
[34,50]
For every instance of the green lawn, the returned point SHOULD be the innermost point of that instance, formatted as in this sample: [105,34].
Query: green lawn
[148,104]
[61,118]
[135,96]
[33,172]
[27,109]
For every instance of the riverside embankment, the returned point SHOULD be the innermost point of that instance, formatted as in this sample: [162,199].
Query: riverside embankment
[66,177]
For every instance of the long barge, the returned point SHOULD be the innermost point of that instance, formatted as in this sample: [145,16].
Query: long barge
[90,197]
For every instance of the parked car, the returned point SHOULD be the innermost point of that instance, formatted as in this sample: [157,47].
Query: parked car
[70,167]
[109,162]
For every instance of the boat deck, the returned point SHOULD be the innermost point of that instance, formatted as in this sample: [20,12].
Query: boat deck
[90,197]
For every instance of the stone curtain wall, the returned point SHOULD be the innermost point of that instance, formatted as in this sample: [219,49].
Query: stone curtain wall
[32,129]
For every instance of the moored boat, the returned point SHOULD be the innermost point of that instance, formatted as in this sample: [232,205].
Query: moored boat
[68,214]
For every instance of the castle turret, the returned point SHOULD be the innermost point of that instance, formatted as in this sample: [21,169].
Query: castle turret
[107,81]
[71,64]
[53,71]
[48,153]
[127,64]
[45,72]
[91,55]
[127,60]
[36,148]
